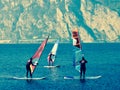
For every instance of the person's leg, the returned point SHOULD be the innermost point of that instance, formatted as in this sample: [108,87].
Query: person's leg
[30,74]
[27,74]
[81,73]
[49,62]
[52,63]
[27,69]
[84,73]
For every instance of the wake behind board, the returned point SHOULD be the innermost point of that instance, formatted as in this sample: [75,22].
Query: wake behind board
[24,78]
[52,66]
[78,77]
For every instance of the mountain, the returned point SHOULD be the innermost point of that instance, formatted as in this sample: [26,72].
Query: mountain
[31,21]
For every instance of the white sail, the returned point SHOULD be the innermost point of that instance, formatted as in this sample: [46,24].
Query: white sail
[54,50]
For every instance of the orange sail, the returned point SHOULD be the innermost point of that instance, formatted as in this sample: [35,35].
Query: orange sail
[76,39]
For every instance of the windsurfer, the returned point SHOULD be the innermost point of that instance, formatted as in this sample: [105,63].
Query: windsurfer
[28,68]
[82,67]
[50,60]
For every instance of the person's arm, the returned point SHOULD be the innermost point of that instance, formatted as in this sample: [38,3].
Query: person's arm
[34,64]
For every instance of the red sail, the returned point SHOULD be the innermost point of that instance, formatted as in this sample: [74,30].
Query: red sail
[40,49]
[76,38]
[37,54]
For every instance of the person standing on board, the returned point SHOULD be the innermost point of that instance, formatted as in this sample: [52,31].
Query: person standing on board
[28,68]
[50,60]
[82,67]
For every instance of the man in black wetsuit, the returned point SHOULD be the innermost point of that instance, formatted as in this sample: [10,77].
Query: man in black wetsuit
[28,67]
[82,68]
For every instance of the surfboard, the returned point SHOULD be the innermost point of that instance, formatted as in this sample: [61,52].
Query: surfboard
[78,77]
[24,78]
[52,66]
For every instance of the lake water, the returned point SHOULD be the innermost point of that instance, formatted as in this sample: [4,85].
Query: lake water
[103,59]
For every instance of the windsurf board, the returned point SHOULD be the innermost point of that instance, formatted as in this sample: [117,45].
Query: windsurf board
[24,78]
[78,77]
[52,66]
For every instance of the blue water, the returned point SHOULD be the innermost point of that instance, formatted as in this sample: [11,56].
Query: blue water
[103,59]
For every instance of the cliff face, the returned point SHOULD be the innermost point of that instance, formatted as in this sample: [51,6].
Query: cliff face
[102,20]
[32,20]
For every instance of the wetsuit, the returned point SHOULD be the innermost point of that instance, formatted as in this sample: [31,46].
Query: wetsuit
[28,68]
[82,68]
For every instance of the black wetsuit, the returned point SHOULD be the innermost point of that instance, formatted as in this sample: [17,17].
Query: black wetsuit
[82,68]
[50,58]
[28,68]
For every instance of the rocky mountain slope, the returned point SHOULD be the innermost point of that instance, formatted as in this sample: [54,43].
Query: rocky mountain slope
[31,21]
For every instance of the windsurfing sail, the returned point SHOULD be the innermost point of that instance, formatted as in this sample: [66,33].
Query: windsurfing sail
[76,39]
[36,56]
[77,48]
[54,50]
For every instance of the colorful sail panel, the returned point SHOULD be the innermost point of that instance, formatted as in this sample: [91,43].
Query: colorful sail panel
[77,52]
[76,39]
[37,54]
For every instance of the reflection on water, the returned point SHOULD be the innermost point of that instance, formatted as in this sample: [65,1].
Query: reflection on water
[53,74]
